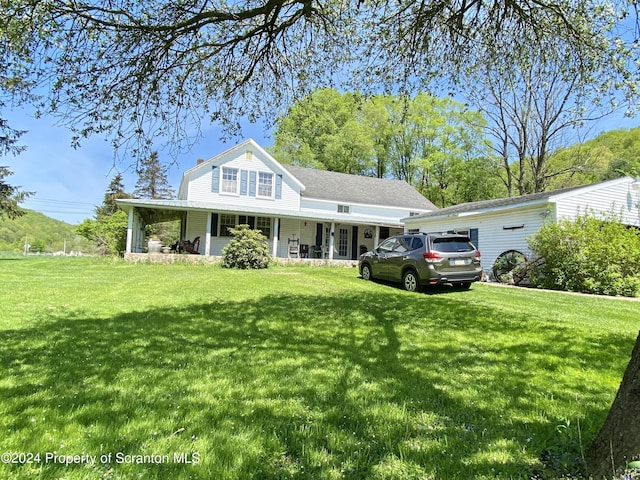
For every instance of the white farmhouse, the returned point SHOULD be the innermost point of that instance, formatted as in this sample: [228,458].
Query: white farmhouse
[496,226]
[305,213]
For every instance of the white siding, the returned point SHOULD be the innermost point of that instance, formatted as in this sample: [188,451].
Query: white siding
[374,213]
[200,183]
[197,227]
[293,229]
[218,241]
[616,198]
[493,238]
[365,242]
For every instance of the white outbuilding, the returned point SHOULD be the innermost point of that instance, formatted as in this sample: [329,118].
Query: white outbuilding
[497,226]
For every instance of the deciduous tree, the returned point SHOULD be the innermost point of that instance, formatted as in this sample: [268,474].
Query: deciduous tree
[618,442]
[137,70]
[435,144]
[611,154]
[324,130]
[534,106]
[109,234]
[439,147]
[10,196]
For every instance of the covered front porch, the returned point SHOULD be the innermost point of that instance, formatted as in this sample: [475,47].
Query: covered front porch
[302,235]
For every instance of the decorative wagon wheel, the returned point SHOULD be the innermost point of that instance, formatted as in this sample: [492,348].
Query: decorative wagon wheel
[510,267]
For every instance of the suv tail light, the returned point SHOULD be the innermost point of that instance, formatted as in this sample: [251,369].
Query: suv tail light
[431,257]
[478,254]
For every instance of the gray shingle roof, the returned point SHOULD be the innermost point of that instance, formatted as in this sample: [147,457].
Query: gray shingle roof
[496,203]
[325,185]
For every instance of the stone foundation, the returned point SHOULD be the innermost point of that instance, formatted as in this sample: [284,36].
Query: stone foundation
[211,259]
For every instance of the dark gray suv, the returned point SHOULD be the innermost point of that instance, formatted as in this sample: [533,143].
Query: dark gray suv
[419,259]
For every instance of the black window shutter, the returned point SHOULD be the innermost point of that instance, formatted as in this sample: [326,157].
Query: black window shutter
[214,224]
[473,236]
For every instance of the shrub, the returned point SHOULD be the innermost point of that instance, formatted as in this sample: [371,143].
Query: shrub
[109,234]
[246,249]
[588,254]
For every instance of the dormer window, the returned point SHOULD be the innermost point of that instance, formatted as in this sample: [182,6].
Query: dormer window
[344,209]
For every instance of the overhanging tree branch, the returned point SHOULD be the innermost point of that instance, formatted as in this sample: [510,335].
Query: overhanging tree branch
[133,70]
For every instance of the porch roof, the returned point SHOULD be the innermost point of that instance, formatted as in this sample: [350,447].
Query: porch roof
[189,205]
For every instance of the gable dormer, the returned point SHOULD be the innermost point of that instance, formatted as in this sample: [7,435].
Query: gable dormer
[245,175]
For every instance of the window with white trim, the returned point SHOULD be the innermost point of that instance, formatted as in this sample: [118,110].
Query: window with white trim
[265,184]
[344,209]
[229,180]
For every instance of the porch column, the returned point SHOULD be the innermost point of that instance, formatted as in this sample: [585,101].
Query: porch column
[207,236]
[376,240]
[276,228]
[332,242]
[129,231]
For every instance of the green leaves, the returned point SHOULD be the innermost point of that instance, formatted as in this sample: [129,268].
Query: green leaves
[109,234]
[590,254]
[247,249]
[435,144]
[170,64]
[10,196]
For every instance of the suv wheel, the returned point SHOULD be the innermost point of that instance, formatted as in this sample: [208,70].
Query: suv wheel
[366,272]
[410,281]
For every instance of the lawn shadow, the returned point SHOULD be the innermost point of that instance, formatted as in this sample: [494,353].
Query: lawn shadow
[424,289]
[302,386]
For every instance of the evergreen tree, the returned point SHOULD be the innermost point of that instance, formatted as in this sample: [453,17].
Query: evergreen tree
[10,196]
[153,183]
[115,191]
[152,180]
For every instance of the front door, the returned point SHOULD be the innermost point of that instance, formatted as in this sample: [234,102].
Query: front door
[343,242]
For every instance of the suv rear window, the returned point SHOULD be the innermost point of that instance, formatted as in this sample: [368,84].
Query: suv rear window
[451,245]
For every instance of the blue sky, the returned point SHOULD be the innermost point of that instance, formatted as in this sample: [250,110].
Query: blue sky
[69,183]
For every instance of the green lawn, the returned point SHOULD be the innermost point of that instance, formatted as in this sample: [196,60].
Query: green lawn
[295,372]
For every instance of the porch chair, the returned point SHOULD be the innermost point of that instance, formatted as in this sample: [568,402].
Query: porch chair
[294,247]
[192,247]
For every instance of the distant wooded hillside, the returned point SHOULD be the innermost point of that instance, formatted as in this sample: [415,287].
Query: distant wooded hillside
[42,233]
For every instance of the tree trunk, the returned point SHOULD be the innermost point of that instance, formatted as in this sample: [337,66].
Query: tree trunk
[618,441]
